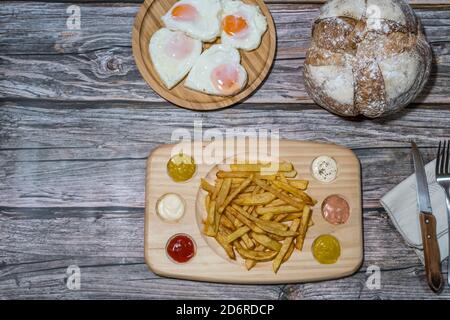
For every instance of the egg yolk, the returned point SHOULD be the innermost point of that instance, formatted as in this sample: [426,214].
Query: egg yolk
[179,46]
[234,25]
[185,12]
[225,78]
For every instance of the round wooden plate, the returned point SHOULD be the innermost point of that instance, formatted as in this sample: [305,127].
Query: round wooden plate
[257,62]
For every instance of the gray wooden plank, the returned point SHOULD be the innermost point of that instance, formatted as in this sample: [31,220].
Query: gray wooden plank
[107,235]
[130,281]
[109,25]
[400,284]
[48,151]
[106,243]
[121,281]
[96,62]
[64,154]
[413,3]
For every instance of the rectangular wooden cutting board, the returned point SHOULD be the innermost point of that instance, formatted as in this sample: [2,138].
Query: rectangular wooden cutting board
[209,264]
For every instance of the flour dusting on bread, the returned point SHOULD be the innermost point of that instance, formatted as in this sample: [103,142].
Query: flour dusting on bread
[336,81]
[343,8]
[399,73]
[367,57]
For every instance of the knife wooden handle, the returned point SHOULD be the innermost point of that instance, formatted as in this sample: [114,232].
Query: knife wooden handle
[431,252]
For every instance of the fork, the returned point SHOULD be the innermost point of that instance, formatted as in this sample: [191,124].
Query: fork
[443,179]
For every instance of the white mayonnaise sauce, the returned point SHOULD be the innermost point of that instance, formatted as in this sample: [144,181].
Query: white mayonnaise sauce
[170,207]
[324,168]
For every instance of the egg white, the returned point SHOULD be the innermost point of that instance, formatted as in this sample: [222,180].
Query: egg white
[256,23]
[206,28]
[199,78]
[170,69]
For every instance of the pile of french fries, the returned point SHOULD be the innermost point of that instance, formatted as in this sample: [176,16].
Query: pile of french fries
[262,217]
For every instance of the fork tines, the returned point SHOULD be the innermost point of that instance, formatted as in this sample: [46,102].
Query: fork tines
[443,158]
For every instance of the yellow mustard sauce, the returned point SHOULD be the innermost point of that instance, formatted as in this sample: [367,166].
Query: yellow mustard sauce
[326,249]
[181,167]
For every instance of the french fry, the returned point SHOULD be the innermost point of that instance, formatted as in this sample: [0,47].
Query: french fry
[223,192]
[249,189]
[253,200]
[216,217]
[237,234]
[289,252]
[293,202]
[290,174]
[207,200]
[268,226]
[303,228]
[244,195]
[292,216]
[277,210]
[280,217]
[296,192]
[205,185]
[282,166]
[274,224]
[220,237]
[248,213]
[231,217]
[242,243]
[275,203]
[244,220]
[249,242]
[285,247]
[267,216]
[210,223]
[244,174]
[249,263]
[299,184]
[217,188]
[254,193]
[255,255]
[237,224]
[266,241]
[221,196]
[233,194]
[282,177]
[224,221]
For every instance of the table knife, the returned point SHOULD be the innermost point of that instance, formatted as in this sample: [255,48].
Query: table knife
[427,225]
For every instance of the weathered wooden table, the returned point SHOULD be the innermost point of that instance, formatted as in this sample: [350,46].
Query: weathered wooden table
[77,123]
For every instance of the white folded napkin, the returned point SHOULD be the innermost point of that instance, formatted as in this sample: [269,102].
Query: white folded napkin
[401,205]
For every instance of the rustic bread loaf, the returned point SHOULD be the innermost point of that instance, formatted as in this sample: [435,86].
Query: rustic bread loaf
[367,57]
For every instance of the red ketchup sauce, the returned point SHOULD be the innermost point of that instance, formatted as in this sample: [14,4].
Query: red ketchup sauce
[181,248]
[335,209]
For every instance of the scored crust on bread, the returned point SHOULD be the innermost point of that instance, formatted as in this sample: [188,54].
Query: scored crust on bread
[367,57]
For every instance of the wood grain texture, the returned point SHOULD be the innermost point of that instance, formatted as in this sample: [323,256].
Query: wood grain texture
[88,178]
[257,63]
[431,251]
[96,62]
[109,143]
[37,245]
[413,3]
[211,263]
[76,125]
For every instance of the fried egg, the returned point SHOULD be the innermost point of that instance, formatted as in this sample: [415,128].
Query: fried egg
[218,72]
[173,54]
[242,25]
[200,19]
